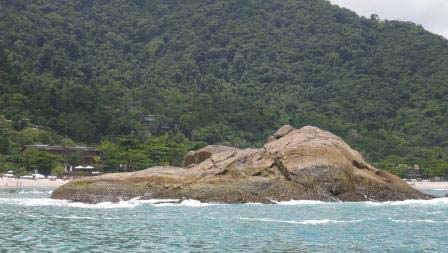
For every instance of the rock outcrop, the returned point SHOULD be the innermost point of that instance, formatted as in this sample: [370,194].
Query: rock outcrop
[295,164]
[198,156]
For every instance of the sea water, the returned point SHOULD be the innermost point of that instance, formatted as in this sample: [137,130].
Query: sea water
[33,222]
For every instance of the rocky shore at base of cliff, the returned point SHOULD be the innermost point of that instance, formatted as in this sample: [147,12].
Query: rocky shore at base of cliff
[294,164]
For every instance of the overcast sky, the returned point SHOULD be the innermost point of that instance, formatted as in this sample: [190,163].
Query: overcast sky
[431,14]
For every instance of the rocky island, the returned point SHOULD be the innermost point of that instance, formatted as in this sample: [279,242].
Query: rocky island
[294,164]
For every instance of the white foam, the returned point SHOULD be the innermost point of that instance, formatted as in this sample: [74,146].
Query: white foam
[132,203]
[34,191]
[64,203]
[417,221]
[436,201]
[301,202]
[195,203]
[304,222]
[187,202]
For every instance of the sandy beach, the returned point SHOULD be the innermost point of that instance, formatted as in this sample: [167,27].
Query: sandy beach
[15,183]
[429,185]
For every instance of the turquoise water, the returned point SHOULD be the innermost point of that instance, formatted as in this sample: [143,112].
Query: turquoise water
[31,221]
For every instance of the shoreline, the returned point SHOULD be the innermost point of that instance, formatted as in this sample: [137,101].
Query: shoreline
[442,185]
[16,183]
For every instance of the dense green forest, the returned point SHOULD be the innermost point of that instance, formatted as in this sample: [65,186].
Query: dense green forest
[221,72]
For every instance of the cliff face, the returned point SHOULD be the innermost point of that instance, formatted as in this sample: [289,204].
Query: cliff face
[306,163]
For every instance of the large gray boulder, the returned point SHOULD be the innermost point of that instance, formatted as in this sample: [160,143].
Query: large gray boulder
[295,164]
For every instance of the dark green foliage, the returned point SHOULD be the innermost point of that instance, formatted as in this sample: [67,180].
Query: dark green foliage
[225,72]
[12,141]
[129,153]
[40,161]
[4,142]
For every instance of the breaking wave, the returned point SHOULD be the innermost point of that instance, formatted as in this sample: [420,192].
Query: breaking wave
[302,202]
[34,191]
[106,205]
[190,202]
[436,201]
[187,202]
[417,221]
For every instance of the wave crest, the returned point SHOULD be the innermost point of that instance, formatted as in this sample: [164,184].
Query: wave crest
[436,201]
[195,203]
[417,221]
[34,191]
[302,202]
[106,205]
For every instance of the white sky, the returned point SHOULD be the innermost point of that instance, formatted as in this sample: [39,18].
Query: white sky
[431,14]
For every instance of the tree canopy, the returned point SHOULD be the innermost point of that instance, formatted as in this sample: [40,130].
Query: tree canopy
[227,72]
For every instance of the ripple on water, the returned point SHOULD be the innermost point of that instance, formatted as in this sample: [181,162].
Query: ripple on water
[34,222]
[305,222]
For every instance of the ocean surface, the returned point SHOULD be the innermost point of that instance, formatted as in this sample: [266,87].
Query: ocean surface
[32,222]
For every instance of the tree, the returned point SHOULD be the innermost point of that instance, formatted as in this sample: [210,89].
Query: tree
[112,155]
[41,161]
[98,162]
[375,17]
[224,72]
[4,144]
[58,170]
[74,158]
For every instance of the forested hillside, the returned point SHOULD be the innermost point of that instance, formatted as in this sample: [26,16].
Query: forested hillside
[225,72]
